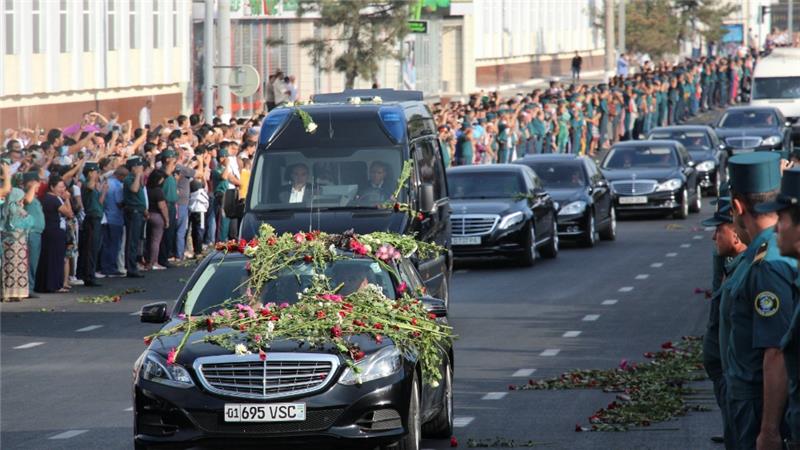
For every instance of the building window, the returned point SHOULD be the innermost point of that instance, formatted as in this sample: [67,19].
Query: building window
[174,23]
[110,29]
[155,24]
[65,38]
[87,24]
[36,16]
[132,24]
[9,26]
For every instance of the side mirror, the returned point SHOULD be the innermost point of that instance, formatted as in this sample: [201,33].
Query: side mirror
[154,313]
[435,306]
[426,200]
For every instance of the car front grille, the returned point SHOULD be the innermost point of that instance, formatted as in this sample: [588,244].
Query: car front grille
[637,187]
[473,224]
[316,420]
[743,142]
[280,375]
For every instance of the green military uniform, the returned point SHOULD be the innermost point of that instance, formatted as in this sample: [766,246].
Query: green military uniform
[790,197]
[34,210]
[134,207]
[756,306]
[90,231]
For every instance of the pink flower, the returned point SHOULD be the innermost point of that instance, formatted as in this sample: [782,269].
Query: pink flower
[357,247]
[402,288]
[257,338]
[262,355]
[386,252]
[332,297]
[171,356]
[453,441]
[284,305]
[147,340]
[241,315]
[299,238]
[336,331]
[247,266]
[182,316]
[623,365]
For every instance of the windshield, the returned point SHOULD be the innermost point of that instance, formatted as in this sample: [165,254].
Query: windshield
[323,178]
[777,87]
[689,139]
[749,119]
[226,280]
[485,184]
[556,175]
[627,157]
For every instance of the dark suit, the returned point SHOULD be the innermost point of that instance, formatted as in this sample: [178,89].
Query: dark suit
[286,193]
[370,192]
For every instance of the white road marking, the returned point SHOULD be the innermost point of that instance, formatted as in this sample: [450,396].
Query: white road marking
[697,237]
[68,434]
[671,255]
[494,396]
[523,373]
[642,276]
[28,345]
[686,245]
[609,302]
[571,334]
[461,422]
[657,265]
[591,317]
[130,408]
[550,352]
[89,328]
[626,288]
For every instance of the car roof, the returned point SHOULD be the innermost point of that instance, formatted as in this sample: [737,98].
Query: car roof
[486,168]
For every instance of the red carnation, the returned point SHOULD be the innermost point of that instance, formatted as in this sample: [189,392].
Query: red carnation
[116,299]
[359,355]
[171,356]
[253,242]
[414,321]
[432,316]
[209,324]
[420,216]
[242,327]
[342,314]
[147,340]
[396,207]
[308,258]
[336,331]
[262,355]
[378,326]
[402,288]
[232,245]
[219,246]
[667,345]
[320,314]
[272,240]
[310,236]
[378,338]
[265,312]
[453,441]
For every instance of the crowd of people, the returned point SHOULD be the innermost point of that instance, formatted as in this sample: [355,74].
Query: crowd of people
[583,119]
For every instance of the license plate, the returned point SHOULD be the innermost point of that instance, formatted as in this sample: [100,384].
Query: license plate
[268,412]
[638,200]
[470,240]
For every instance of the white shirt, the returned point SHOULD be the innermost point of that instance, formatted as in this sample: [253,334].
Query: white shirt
[144,116]
[233,164]
[297,196]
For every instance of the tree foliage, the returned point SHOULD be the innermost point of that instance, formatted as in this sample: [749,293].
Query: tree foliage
[704,17]
[365,33]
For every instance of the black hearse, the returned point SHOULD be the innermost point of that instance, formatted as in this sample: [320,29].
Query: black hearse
[344,174]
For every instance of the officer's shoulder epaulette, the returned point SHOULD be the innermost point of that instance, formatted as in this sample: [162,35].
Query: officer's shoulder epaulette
[761,253]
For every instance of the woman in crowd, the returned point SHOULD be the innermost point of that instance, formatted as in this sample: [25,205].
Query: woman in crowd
[57,210]
[15,226]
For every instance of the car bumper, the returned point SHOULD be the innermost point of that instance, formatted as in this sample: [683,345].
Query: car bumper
[707,179]
[497,243]
[657,201]
[571,226]
[338,415]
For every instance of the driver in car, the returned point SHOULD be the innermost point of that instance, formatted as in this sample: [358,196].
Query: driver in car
[378,190]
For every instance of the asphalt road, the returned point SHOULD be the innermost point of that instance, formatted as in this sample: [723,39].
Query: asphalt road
[66,371]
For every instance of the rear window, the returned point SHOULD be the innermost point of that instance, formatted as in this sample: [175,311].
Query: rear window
[631,157]
[485,184]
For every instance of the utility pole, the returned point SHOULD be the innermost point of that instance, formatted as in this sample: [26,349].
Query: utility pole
[621,44]
[609,32]
[224,16]
[208,57]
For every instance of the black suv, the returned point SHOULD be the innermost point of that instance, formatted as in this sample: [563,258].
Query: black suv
[501,210]
[348,170]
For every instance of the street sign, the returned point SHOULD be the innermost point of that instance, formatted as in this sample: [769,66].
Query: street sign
[244,80]
[418,26]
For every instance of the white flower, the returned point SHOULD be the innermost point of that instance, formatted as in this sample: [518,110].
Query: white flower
[311,127]
[435,384]
[270,326]
[377,100]
[355,100]
[289,104]
[241,349]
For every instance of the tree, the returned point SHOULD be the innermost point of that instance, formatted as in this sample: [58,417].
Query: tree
[367,31]
[650,27]
[705,17]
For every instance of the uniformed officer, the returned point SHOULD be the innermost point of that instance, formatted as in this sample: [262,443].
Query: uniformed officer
[728,249]
[93,195]
[755,309]
[134,201]
[788,230]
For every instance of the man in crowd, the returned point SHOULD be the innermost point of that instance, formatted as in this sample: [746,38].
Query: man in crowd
[115,224]
[93,196]
[134,199]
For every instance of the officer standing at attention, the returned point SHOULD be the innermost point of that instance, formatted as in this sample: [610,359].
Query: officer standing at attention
[728,250]
[93,195]
[134,201]
[755,309]
[787,205]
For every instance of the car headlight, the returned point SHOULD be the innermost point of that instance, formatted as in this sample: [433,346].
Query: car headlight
[511,220]
[572,208]
[706,166]
[772,140]
[155,368]
[669,185]
[380,364]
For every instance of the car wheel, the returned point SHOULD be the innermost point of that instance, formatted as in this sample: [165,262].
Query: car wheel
[441,426]
[411,440]
[717,185]
[529,247]
[550,250]
[683,211]
[589,237]
[610,231]
[697,205]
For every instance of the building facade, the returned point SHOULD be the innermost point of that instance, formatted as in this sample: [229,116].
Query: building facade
[61,58]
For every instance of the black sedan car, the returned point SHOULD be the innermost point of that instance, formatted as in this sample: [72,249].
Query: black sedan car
[586,205]
[754,128]
[501,210]
[705,149]
[653,176]
[298,394]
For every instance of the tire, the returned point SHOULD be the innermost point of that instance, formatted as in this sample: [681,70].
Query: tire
[550,250]
[441,426]
[411,440]
[715,190]
[683,212]
[589,237]
[529,244]
[697,205]
[609,233]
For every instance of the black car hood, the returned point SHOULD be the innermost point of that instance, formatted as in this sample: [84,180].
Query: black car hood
[483,206]
[700,155]
[738,132]
[361,221]
[564,196]
[642,174]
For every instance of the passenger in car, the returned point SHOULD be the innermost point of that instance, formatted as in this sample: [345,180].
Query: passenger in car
[300,190]
[378,189]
